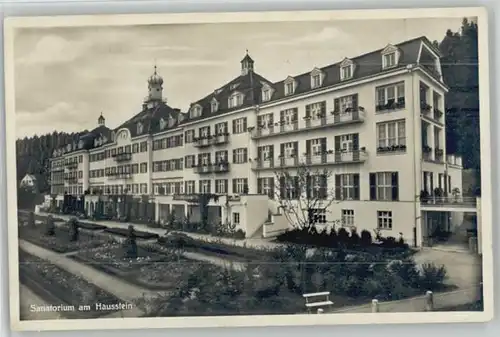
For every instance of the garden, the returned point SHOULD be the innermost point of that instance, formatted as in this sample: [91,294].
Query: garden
[56,286]
[63,238]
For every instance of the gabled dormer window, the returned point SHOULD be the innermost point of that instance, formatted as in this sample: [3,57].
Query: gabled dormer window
[195,111]
[214,105]
[316,78]
[390,57]
[80,144]
[235,100]
[289,86]
[171,121]
[267,92]
[163,124]
[346,69]
[140,128]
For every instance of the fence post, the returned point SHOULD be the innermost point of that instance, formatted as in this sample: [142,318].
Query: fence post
[429,301]
[320,311]
[375,307]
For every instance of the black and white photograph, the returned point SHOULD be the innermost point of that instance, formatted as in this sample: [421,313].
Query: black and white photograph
[296,169]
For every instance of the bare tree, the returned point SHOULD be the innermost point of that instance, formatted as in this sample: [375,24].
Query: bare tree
[303,195]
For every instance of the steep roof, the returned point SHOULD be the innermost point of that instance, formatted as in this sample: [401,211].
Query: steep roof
[151,117]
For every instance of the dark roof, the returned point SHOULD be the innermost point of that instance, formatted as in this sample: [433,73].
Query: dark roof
[150,118]
[365,65]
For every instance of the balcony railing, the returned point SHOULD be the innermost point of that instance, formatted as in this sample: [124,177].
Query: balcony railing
[212,168]
[120,157]
[71,165]
[451,201]
[308,123]
[202,142]
[425,109]
[335,158]
[220,139]
[119,175]
[71,180]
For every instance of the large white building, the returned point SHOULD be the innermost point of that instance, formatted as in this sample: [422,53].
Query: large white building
[375,122]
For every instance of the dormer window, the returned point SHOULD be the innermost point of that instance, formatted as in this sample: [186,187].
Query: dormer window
[163,124]
[289,86]
[139,128]
[195,111]
[214,105]
[235,100]
[390,57]
[346,69]
[316,78]
[267,92]
[80,144]
[171,121]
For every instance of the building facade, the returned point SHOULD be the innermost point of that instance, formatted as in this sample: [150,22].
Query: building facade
[375,123]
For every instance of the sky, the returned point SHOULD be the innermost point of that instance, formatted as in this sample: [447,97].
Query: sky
[66,77]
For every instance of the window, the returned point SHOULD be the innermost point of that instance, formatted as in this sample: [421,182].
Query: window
[204,132]
[384,219]
[195,111]
[144,146]
[239,125]
[316,111]
[235,100]
[205,186]
[163,124]
[221,128]
[135,148]
[190,187]
[265,121]
[144,167]
[189,135]
[289,87]
[288,150]
[391,136]
[384,186]
[266,94]
[389,60]
[266,152]
[204,159]
[221,157]
[189,161]
[346,72]
[317,146]
[266,186]
[315,81]
[346,103]
[144,188]
[240,185]
[347,186]
[348,217]
[346,142]
[317,216]
[139,128]
[240,155]
[221,186]
[214,105]
[236,219]
[390,97]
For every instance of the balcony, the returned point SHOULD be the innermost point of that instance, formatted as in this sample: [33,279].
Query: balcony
[329,158]
[312,123]
[71,180]
[220,139]
[450,203]
[438,114]
[425,109]
[71,165]
[202,142]
[119,175]
[121,157]
[212,168]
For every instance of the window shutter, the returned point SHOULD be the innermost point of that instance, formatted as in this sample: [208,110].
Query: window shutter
[209,186]
[324,187]
[308,148]
[259,186]
[282,117]
[355,102]
[271,118]
[395,186]
[209,130]
[338,187]
[225,128]
[271,153]
[185,187]
[355,141]
[337,143]
[356,186]
[308,186]
[259,153]
[336,105]
[282,188]
[323,145]
[234,156]
[234,126]
[373,186]
[431,176]
[245,155]
[226,189]
[271,187]
[296,187]
[323,109]
[244,124]
[296,149]
[282,150]
[234,186]
[308,110]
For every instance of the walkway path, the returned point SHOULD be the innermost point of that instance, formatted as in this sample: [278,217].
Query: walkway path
[122,290]
[28,298]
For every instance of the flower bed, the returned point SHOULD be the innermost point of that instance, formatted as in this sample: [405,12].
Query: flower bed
[124,232]
[90,226]
[154,268]
[59,287]
[60,242]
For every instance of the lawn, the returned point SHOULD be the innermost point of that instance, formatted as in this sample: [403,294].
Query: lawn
[56,286]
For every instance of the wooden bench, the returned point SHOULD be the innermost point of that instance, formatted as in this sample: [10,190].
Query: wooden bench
[324,302]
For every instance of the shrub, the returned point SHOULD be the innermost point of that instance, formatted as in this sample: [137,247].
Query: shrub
[73,229]
[239,234]
[432,277]
[366,238]
[343,236]
[355,239]
[50,228]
